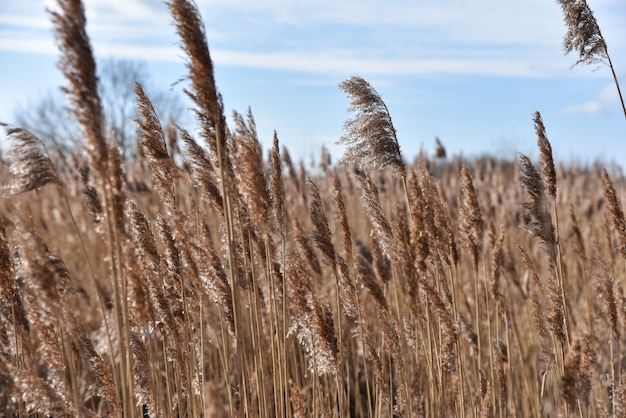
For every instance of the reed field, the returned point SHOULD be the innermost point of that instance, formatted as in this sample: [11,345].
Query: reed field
[204,278]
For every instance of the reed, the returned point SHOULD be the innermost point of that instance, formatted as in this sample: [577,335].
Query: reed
[238,285]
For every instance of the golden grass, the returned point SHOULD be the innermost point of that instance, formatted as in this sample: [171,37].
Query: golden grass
[216,283]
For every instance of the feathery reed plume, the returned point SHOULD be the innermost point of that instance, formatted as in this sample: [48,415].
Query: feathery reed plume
[277,188]
[380,262]
[105,386]
[585,38]
[497,255]
[142,379]
[150,263]
[304,248]
[366,274]
[370,135]
[440,151]
[606,229]
[405,249]
[172,267]
[322,235]
[615,207]
[471,222]
[10,300]
[547,163]
[78,65]
[91,200]
[537,221]
[346,233]
[437,221]
[204,94]
[30,168]
[371,202]
[202,172]
[313,322]
[116,180]
[606,284]
[38,396]
[213,277]
[299,406]
[486,410]
[572,378]
[419,234]
[154,146]
[388,322]
[250,173]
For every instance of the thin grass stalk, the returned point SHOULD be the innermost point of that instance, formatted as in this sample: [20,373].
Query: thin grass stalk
[32,169]
[78,65]
[549,178]
[585,38]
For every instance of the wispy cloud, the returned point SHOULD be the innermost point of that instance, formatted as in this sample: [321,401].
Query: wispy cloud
[605,102]
[458,37]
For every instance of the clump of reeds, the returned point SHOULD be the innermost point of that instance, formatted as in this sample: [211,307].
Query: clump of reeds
[235,285]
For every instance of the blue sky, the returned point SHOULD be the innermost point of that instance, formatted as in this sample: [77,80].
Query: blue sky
[471,72]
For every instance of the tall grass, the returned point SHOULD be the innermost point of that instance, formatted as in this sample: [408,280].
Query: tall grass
[217,282]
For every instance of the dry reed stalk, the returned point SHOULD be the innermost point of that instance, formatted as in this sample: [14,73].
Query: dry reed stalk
[105,385]
[536,295]
[571,377]
[50,279]
[37,396]
[496,261]
[549,178]
[419,234]
[299,405]
[486,406]
[277,188]
[204,94]
[79,68]
[312,321]
[585,38]
[304,248]
[250,173]
[15,327]
[153,142]
[405,249]
[203,172]
[442,244]
[547,163]
[212,123]
[172,267]
[471,223]
[213,277]
[78,65]
[342,215]
[370,135]
[380,262]
[91,199]
[321,236]
[537,220]
[149,260]
[615,208]
[381,229]
[578,242]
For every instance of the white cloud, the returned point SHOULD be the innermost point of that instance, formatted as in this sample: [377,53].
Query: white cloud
[606,101]
[591,108]
[472,37]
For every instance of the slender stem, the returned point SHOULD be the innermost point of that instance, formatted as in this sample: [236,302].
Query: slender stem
[619,91]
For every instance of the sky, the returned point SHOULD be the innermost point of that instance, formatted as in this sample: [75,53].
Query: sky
[471,72]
